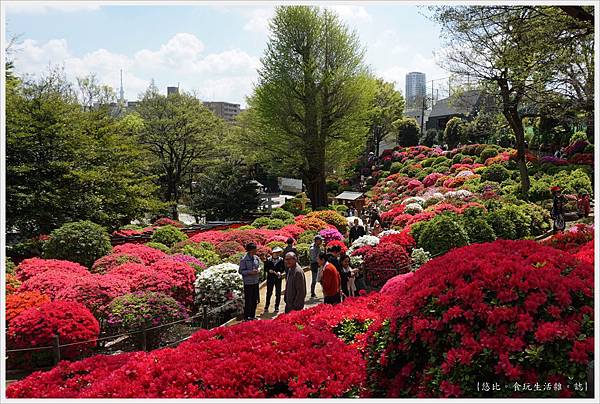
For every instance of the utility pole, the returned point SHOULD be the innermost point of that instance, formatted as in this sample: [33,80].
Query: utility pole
[423,112]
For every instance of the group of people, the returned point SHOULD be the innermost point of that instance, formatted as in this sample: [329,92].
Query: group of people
[281,264]
[333,271]
[559,200]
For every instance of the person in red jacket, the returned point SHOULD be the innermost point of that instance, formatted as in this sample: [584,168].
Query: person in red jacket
[330,280]
[583,203]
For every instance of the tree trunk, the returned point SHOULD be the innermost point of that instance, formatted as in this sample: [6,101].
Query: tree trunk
[512,116]
[317,192]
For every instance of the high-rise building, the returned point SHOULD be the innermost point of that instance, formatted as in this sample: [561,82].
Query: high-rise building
[415,89]
[225,110]
[172,90]
[121,90]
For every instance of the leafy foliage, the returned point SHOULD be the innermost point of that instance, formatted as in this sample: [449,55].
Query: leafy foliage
[83,242]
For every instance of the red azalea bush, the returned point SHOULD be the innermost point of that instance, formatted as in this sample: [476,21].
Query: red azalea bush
[228,248]
[571,239]
[381,259]
[67,379]
[349,320]
[182,279]
[431,179]
[19,302]
[52,282]
[71,321]
[165,221]
[148,255]
[110,261]
[250,360]
[94,291]
[291,230]
[35,266]
[244,237]
[507,311]
[211,236]
[586,253]
[396,286]
[127,271]
[339,243]
[403,239]
[391,214]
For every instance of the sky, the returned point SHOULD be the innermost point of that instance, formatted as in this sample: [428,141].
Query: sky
[213,50]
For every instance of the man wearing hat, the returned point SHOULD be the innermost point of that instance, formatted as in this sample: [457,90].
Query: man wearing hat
[274,271]
[315,250]
[249,269]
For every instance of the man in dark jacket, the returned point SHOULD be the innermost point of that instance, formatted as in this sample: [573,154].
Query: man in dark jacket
[356,231]
[274,271]
[295,284]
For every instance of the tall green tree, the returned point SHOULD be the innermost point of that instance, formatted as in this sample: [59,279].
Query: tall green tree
[515,49]
[387,107]
[65,164]
[313,94]
[225,192]
[182,134]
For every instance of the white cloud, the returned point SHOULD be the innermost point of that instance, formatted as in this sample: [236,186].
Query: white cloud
[352,14]
[225,76]
[41,7]
[259,20]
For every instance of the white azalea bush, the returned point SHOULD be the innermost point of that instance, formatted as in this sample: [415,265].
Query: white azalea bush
[218,285]
[433,199]
[414,199]
[356,262]
[419,257]
[363,241]
[413,208]
[465,173]
[461,194]
[388,232]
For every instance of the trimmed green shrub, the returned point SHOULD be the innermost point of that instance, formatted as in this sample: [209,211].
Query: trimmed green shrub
[458,158]
[158,246]
[396,167]
[10,266]
[275,224]
[282,214]
[303,253]
[441,234]
[488,152]
[262,221]
[168,235]
[342,209]
[307,237]
[246,227]
[579,135]
[209,257]
[478,229]
[83,242]
[495,173]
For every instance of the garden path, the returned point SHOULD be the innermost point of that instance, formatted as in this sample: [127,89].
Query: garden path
[309,302]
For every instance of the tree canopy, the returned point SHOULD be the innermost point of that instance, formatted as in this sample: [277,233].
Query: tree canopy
[65,163]
[311,101]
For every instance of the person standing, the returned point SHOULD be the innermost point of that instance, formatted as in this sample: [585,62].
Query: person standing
[330,280]
[295,284]
[290,247]
[249,269]
[274,271]
[350,275]
[356,231]
[315,250]
[334,258]
[377,229]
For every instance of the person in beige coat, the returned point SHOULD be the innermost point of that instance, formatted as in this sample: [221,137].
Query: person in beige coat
[295,284]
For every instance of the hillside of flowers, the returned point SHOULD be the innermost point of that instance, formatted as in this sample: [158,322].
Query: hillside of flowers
[509,311]
[476,299]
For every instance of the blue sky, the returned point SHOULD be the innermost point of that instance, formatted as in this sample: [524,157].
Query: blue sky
[213,50]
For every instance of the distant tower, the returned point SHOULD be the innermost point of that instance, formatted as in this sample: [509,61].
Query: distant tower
[121,91]
[415,89]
